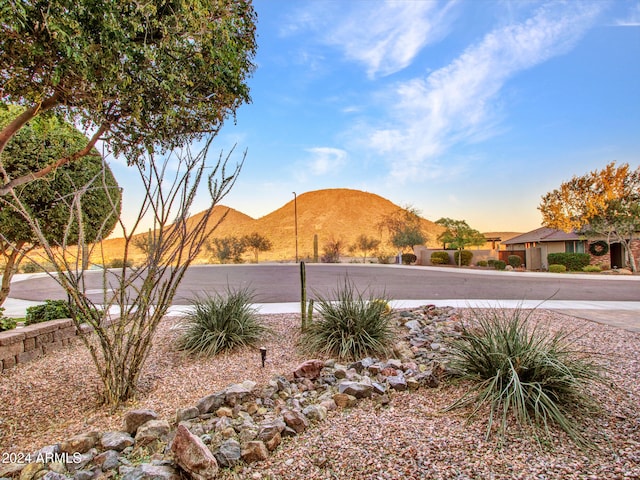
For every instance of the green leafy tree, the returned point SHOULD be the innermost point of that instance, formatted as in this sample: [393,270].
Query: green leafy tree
[601,203]
[227,249]
[404,228]
[51,200]
[144,76]
[458,234]
[364,244]
[257,243]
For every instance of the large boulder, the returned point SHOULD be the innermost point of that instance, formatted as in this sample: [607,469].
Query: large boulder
[193,456]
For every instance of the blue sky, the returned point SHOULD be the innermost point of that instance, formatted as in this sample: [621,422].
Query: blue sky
[470,109]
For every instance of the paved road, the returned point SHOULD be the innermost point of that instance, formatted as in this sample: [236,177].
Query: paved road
[281,283]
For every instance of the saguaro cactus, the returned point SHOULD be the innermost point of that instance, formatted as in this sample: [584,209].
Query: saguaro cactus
[315,248]
[303,296]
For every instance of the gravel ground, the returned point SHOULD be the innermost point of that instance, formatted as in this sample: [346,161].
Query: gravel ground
[53,398]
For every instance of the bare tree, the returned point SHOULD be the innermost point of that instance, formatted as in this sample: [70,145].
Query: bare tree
[141,295]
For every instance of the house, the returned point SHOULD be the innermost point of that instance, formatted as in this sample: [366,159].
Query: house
[534,246]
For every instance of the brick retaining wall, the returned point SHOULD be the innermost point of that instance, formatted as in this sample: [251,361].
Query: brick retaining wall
[22,345]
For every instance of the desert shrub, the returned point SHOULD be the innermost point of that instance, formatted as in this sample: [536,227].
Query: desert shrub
[50,310]
[574,262]
[31,267]
[491,262]
[119,263]
[440,258]
[220,323]
[351,326]
[514,260]
[332,250]
[6,323]
[499,264]
[408,258]
[591,269]
[384,258]
[462,257]
[481,263]
[522,371]
[555,268]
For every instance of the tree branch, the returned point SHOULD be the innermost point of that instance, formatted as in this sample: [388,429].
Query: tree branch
[8,186]
[14,126]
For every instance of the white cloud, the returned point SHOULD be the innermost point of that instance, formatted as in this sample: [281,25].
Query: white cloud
[384,37]
[457,102]
[632,19]
[326,160]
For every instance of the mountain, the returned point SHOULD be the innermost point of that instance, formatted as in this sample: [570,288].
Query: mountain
[333,214]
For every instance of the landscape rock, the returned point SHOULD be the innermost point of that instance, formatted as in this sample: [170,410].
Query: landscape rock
[151,431]
[210,403]
[134,418]
[295,420]
[147,471]
[80,443]
[315,413]
[255,451]
[356,389]
[31,470]
[187,414]
[116,441]
[310,369]
[344,400]
[397,382]
[54,476]
[193,456]
[235,394]
[229,453]
[108,460]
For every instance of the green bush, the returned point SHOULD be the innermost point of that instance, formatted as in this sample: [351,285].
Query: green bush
[520,370]
[6,323]
[220,323]
[119,263]
[440,258]
[351,326]
[592,268]
[384,259]
[514,260]
[50,310]
[491,262]
[408,258]
[574,262]
[499,265]
[467,255]
[555,268]
[481,263]
[31,267]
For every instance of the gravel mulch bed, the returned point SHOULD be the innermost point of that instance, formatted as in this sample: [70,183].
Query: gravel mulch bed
[53,398]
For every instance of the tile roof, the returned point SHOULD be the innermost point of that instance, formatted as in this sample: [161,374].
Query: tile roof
[543,234]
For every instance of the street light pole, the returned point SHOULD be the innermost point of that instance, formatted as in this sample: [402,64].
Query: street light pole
[295,216]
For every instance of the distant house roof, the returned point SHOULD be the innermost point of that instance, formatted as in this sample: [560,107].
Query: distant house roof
[543,234]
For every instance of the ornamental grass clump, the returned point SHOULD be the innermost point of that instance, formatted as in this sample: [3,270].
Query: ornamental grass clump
[352,326]
[523,372]
[220,323]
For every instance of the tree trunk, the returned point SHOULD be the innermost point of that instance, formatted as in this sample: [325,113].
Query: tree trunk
[13,260]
